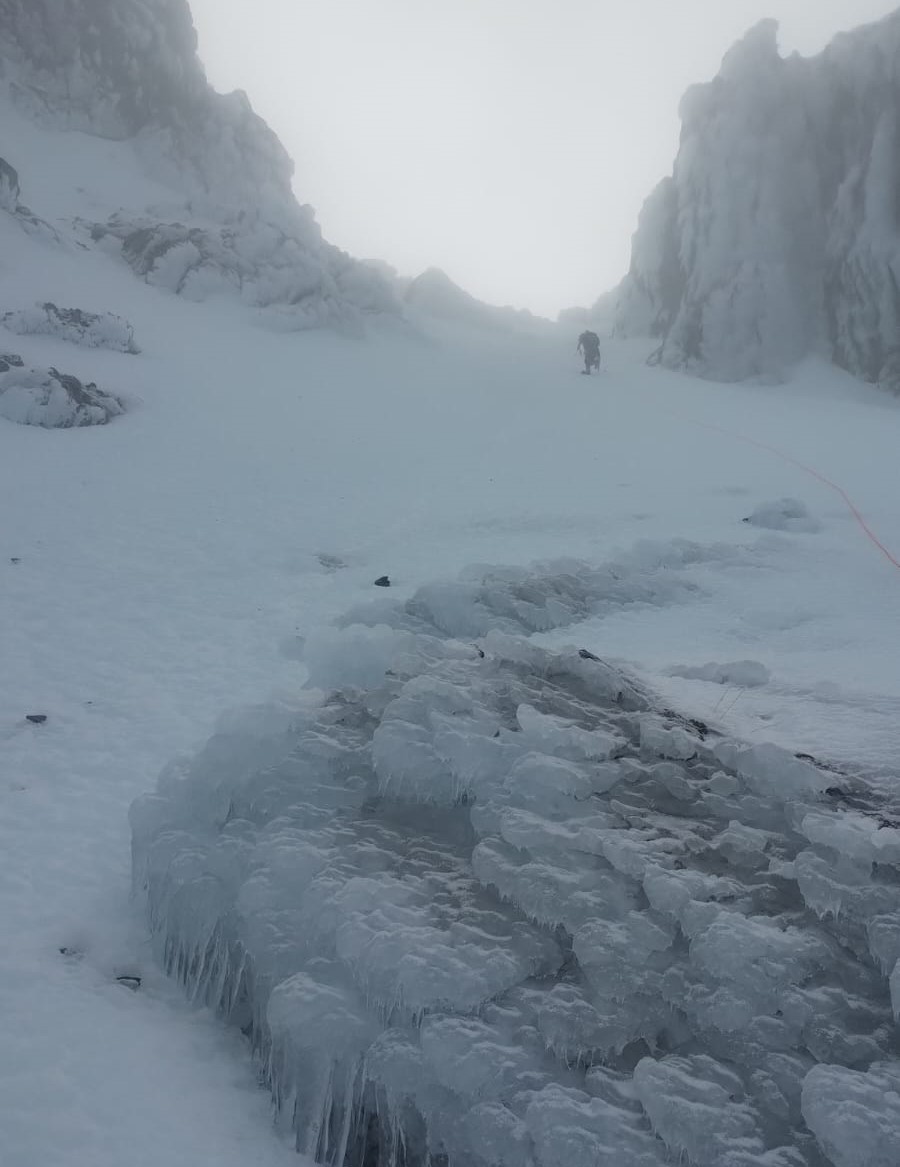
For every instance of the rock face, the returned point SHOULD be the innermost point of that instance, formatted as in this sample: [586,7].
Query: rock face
[50,399]
[778,233]
[119,68]
[128,70]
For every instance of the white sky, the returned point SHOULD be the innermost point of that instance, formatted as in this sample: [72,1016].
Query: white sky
[509,142]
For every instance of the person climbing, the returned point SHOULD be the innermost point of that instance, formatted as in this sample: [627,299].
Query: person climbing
[589,346]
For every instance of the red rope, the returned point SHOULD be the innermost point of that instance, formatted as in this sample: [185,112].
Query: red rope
[815,474]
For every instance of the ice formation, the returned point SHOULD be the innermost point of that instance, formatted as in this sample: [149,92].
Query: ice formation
[777,234]
[480,902]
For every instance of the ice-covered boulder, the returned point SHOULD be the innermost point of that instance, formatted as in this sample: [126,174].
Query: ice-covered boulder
[483,902]
[777,234]
[91,329]
[50,399]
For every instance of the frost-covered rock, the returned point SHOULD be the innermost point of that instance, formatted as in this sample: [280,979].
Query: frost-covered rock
[51,399]
[128,70]
[777,234]
[307,281]
[480,901]
[91,329]
[9,186]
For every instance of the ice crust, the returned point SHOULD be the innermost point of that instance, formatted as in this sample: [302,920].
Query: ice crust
[478,902]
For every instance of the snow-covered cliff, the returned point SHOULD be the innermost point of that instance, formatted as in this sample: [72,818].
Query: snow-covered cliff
[128,70]
[778,233]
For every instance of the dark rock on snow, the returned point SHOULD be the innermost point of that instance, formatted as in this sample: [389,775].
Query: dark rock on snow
[91,329]
[53,400]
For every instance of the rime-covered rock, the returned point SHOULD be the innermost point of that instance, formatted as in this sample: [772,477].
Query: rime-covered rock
[129,70]
[778,233]
[52,400]
[302,285]
[90,329]
[122,68]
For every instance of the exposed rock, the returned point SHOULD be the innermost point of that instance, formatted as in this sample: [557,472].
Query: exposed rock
[54,400]
[91,329]
[36,718]
[9,187]
[383,581]
[778,234]
[10,361]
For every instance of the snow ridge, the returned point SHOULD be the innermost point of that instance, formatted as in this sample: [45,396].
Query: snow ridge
[777,234]
[494,906]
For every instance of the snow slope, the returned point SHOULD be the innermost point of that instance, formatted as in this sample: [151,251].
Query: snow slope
[777,234]
[199,551]
[180,560]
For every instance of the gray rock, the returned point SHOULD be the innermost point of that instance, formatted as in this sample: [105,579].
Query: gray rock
[54,400]
[91,329]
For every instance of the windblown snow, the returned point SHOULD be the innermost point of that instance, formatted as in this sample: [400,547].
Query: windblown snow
[575,841]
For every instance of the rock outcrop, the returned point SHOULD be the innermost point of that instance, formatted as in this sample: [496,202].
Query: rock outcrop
[50,399]
[778,233]
[128,70]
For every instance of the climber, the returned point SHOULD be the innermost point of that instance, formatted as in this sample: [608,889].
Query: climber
[589,345]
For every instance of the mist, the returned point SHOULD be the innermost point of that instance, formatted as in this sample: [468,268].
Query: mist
[510,144]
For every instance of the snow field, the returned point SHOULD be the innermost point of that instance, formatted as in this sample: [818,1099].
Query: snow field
[256,486]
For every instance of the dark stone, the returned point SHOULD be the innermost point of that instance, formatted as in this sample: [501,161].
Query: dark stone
[36,718]
[10,361]
[133,983]
[14,559]
[585,655]
[382,582]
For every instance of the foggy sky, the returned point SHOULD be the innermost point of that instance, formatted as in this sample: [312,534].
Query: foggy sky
[509,142]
